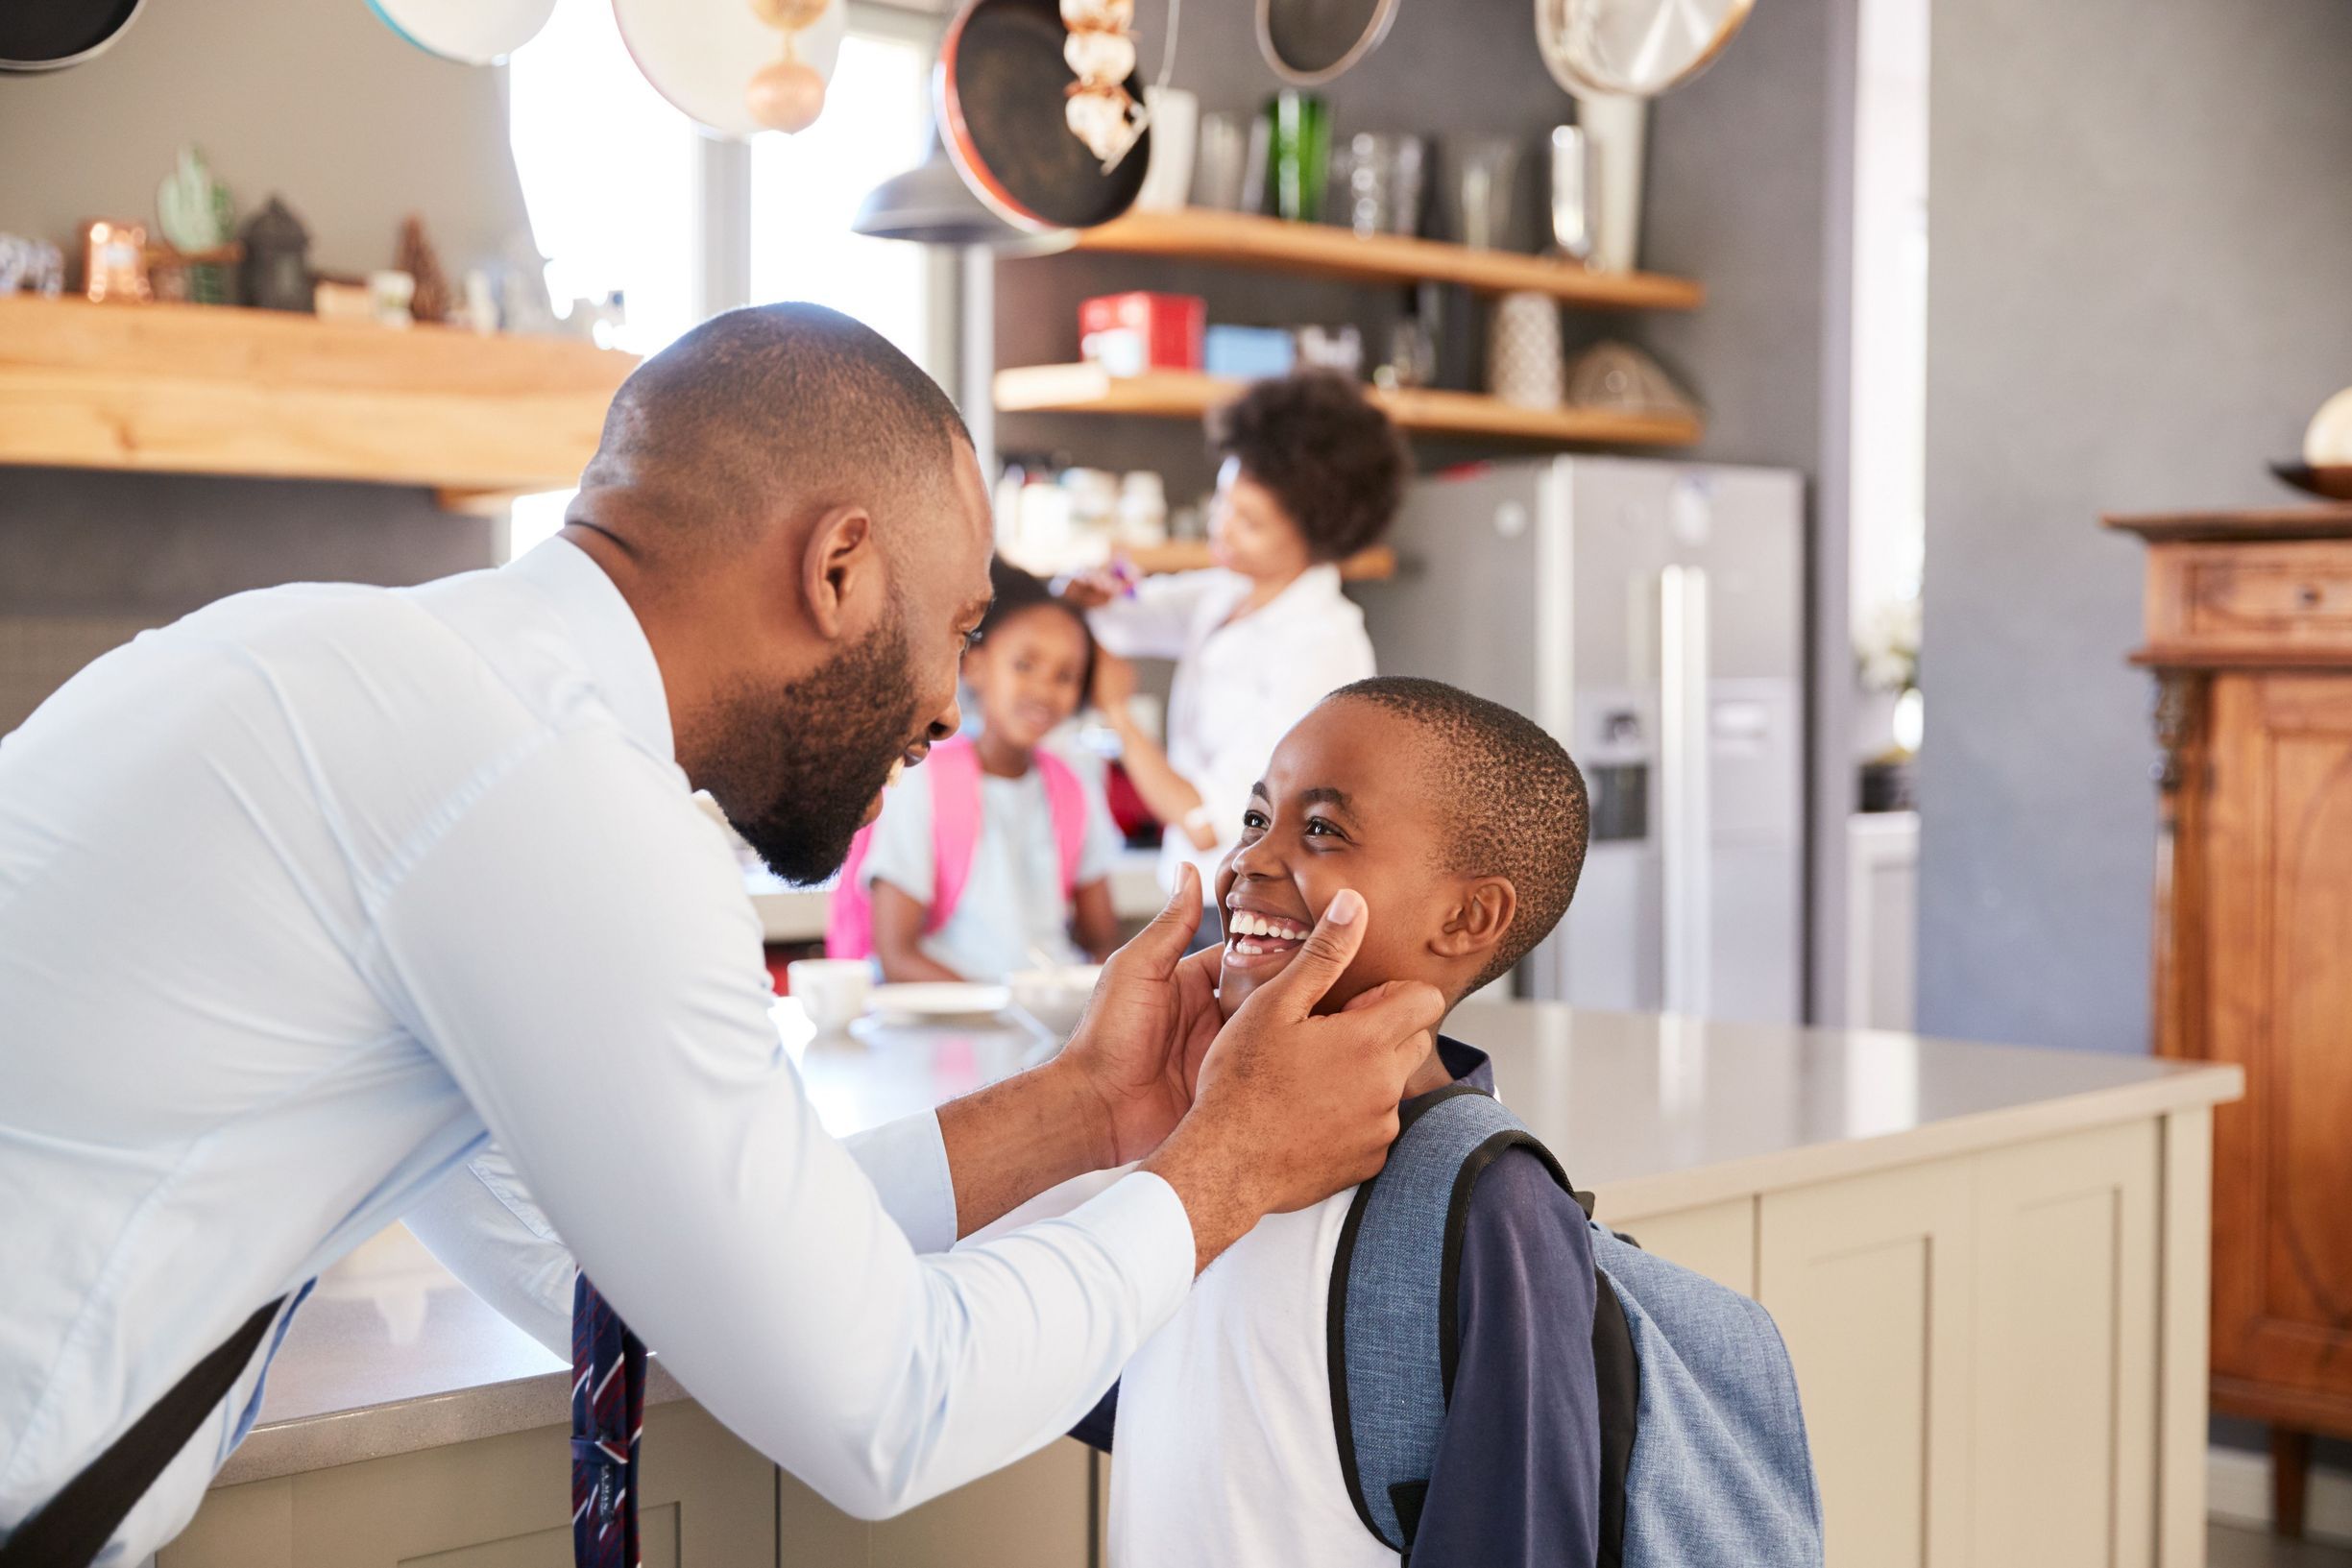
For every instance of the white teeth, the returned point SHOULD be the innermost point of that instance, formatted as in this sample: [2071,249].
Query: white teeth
[1245,924]
[898,771]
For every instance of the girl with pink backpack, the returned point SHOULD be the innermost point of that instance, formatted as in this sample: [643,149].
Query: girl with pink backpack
[995,854]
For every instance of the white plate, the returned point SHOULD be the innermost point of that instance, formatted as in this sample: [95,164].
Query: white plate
[700,54]
[471,32]
[940,999]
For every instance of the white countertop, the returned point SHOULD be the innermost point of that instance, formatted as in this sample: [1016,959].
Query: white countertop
[392,1354]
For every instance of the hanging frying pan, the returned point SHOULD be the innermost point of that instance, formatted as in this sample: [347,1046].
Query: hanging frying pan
[1002,95]
[1632,48]
[1307,43]
[469,32]
[701,54]
[50,34]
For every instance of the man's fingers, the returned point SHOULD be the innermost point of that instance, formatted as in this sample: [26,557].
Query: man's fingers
[1329,949]
[1162,943]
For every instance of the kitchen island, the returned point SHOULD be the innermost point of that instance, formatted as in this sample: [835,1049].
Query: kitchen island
[1989,1264]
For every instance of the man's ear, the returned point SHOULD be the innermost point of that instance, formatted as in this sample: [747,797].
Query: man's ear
[842,574]
[1476,925]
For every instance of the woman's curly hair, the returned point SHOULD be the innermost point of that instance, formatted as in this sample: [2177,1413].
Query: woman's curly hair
[1333,459]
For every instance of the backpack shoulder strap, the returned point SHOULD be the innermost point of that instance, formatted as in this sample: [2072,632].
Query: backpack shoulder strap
[953,767]
[1065,797]
[849,914]
[1392,1326]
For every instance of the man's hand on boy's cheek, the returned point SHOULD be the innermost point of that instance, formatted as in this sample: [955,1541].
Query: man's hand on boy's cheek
[1149,1022]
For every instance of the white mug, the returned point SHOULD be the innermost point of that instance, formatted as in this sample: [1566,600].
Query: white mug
[830,991]
[1176,120]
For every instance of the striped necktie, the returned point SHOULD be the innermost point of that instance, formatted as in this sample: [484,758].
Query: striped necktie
[608,1418]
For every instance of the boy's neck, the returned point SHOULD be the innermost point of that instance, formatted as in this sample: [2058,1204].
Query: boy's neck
[1002,758]
[1432,1073]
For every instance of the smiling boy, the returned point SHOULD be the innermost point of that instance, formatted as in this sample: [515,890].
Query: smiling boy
[1463,824]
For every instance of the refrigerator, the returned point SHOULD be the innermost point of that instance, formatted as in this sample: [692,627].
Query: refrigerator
[1650,615]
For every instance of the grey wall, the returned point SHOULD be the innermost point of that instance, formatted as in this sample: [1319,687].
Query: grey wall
[2140,241]
[311,98]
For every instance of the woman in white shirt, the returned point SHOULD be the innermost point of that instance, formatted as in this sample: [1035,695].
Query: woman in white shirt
[1310,475]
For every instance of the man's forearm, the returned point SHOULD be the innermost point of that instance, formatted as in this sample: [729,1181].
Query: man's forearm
[1010,1142]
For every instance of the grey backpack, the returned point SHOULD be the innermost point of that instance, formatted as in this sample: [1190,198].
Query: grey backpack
[1703,1453]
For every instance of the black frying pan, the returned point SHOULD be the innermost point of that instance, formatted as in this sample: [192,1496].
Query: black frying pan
[1001,86]
[50,34]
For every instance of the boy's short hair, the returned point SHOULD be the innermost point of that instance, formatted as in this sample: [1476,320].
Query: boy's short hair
[1517,801]
[1332,459]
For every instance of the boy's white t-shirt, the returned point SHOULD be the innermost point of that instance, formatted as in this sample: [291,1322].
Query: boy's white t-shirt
[1226,1452]
[1012,915]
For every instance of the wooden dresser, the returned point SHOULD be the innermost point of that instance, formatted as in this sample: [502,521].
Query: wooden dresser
[2249,635]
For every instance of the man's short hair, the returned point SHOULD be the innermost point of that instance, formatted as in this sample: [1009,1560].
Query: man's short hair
[1516,800]
[1333,459]
[789,402]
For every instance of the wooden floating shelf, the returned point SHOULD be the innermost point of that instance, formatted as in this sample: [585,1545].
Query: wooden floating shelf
[1241,239]
[214,389]
[1377,564]
[1087,389]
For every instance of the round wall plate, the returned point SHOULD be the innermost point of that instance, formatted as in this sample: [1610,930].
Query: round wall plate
[470,31]
[1001,86]
[1307,43]
[700,54]
[50,34]
[1632,48]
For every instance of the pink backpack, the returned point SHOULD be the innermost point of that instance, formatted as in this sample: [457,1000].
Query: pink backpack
[953,769]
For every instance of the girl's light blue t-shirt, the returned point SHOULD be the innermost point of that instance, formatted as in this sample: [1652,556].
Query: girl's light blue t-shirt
[1012,915]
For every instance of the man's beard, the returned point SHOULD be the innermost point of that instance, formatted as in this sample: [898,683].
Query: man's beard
[802,763]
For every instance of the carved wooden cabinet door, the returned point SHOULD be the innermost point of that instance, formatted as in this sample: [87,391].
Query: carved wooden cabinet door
[2276,877]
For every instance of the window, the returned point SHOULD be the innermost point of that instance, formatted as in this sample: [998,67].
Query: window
[626,196]
[805,191]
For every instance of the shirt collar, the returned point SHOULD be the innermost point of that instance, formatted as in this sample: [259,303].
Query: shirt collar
[605,631]
[1319,584]
[1467,1065]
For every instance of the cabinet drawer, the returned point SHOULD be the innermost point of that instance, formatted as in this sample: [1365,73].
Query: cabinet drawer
[2289,594]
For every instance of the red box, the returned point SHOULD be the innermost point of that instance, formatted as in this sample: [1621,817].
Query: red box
[1129,334]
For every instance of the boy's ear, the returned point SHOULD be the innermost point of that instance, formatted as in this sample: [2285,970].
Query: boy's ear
[1476,925]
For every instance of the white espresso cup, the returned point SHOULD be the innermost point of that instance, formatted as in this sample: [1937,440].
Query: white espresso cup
[830,991]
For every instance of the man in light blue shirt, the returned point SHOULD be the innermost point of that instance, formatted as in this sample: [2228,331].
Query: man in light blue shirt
[329,906]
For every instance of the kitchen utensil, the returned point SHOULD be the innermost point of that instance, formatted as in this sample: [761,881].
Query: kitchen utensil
[1220,163]
[1307,43]
[1570,186]
[701,54]
[830,991]
[1635,47]
[1523,351]
[1167,181]
[1002,84]
[1054,995]
[50,34]
[932,204]
[1483,182]
[937,999]
[1379,182]
[470,31]
[1300,142]
[1614,131]
[2333,480]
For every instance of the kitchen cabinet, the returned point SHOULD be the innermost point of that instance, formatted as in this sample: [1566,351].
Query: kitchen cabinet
[2248,625]
[710,1502]
[505,1502]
